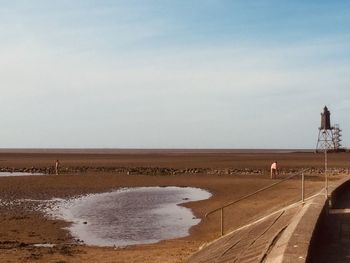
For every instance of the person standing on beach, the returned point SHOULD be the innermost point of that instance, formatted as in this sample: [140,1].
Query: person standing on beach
[57,166]
[274,170]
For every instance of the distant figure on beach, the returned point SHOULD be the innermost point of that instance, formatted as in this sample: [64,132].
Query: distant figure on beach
[274,170]
[57,166]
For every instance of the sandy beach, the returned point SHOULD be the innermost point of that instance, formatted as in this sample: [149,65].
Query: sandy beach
[227,175]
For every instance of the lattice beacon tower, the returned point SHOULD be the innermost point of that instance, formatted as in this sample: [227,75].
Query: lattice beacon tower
[325,134]
[337,137]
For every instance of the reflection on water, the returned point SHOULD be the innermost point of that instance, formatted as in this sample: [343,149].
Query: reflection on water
[131,216]
[2,174]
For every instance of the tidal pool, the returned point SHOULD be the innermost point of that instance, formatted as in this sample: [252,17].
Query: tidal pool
[2,174]
[130,216]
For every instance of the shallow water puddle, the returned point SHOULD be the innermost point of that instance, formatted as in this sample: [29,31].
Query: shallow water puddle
[4,174]
[141,215]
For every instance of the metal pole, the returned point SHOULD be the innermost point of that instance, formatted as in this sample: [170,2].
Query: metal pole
[222,221]
[326,165]
[302,188]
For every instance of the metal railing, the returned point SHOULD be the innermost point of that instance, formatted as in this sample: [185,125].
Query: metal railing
[258,191]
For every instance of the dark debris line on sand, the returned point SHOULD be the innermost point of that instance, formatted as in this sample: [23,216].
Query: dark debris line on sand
[161,170]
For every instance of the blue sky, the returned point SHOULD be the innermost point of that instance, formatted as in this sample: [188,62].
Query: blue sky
[172,74]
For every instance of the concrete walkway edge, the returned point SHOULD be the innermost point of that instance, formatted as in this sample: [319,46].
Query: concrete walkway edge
[296,241]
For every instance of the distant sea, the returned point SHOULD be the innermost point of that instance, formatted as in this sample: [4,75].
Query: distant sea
[147,151]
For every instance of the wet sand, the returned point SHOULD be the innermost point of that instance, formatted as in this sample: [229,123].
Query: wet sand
[23,225]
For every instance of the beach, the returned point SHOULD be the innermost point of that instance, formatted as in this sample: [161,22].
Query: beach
[227,175]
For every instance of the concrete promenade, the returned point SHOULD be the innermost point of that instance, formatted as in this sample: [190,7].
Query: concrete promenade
[249,244]
[333,239]
[307,232]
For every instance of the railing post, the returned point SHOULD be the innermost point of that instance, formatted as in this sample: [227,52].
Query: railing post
[302,188]
[222,221]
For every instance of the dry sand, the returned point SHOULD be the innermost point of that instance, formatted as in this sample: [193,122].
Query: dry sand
[21,226]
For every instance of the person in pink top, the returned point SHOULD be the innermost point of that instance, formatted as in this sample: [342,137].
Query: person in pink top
[274,170]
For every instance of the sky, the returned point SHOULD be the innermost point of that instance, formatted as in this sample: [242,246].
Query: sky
[172,74]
